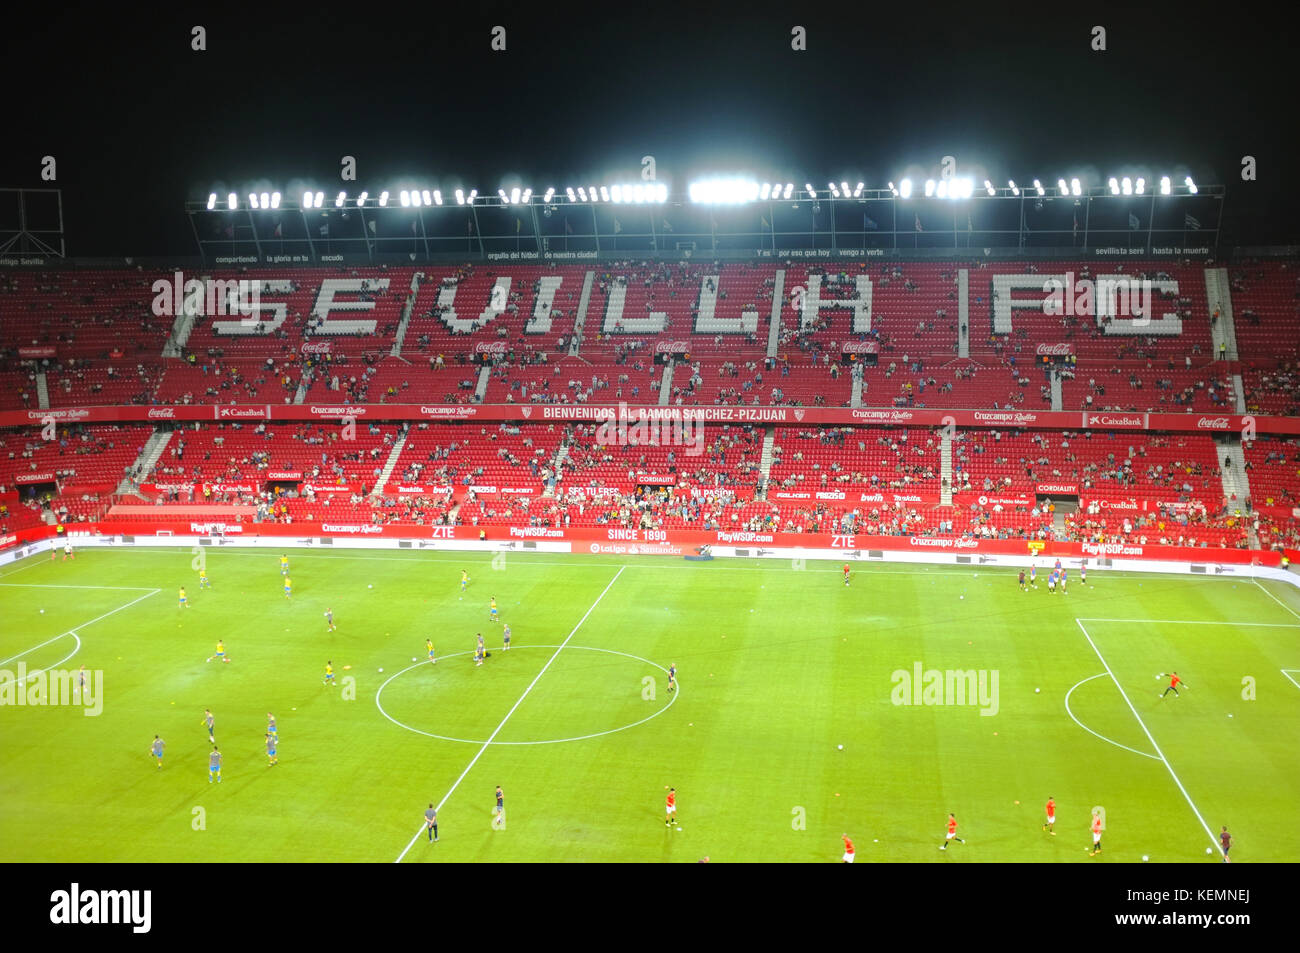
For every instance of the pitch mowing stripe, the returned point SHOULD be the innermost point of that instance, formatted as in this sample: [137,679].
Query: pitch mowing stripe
[513,707]
[1276,599]
[41,585]
[1269,625]
[867,568]
[1151,738]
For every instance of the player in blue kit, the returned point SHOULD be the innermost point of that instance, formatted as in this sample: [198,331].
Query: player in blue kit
[1051,583]
[156,749]
[270,725]
[505,638]
[214,765]
[271,742]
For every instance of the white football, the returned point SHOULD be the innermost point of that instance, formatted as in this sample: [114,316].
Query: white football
[42,612]
[1208,850]
[841,747]
[381,671]
[1037,690]
[1145,858]
[412,658]
[370,587]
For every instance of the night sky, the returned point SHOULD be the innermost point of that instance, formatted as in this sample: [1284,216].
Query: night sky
[139,123]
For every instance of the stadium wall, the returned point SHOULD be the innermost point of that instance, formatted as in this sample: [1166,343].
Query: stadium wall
[623,542]
[593,413]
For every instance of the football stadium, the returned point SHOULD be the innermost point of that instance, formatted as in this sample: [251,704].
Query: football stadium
[941,512]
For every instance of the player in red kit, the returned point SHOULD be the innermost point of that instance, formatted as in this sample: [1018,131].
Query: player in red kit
[1225,841]
[1096,835]
[846,574]
[848,849]
[952,833]
[1051,816]
[670,808]
[1174,682]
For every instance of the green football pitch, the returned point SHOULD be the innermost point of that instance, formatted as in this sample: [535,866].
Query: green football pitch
[1021,696]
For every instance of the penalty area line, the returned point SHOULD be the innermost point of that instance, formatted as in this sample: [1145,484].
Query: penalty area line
[73,632]
[513,708]
[1276,599]
[1150,737]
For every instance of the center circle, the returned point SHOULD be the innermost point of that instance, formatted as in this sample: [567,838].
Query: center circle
[551,741]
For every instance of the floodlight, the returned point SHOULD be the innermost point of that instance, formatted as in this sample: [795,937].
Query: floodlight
[929,188]
[383,199]
[212,201]
[361,199]
[905,189]
[1191,186]
[1164,185]
[338,202]
[252,200]
[460,196]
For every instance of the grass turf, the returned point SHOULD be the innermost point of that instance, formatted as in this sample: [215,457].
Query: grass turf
[778,665]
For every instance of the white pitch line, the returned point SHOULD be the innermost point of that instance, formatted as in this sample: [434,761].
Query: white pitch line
[34,562]
[1287,673]
[552,741]
[512,710]
[1151,738]
[1270,625]
[1276,599]
[1145,754]
[73,631]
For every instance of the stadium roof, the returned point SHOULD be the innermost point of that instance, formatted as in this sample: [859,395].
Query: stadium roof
[140,123]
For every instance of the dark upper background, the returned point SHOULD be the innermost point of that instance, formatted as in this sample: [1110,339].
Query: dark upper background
[139,123]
